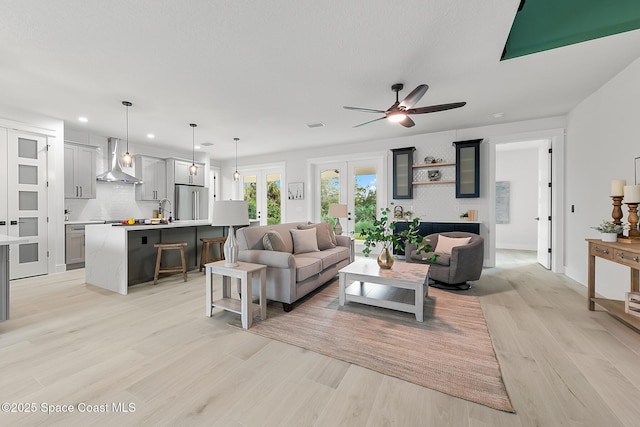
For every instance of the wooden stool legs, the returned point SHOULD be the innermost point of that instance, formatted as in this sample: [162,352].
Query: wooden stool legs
[206,245]
[182,268]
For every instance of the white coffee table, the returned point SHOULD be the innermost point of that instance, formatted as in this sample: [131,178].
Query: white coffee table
[245,272]
[402,275]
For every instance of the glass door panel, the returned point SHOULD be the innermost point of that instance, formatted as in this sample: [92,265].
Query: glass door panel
[250,192]
[329,193]
[274,198]
[27,202]
[365,200]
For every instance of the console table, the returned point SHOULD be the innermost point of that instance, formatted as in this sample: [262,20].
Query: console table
[622,253]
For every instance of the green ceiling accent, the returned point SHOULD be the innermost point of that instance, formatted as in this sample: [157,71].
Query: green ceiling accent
[547,24]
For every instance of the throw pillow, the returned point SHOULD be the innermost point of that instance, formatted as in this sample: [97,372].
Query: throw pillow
[304,241]
[323,234]
[272,241]
[446,244]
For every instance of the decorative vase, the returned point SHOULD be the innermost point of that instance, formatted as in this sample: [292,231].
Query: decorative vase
[609,237]
[385,260]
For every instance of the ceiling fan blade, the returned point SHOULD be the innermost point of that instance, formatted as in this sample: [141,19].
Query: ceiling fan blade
[435,108]
[414,97]
[407,122]
[364,110]
[371,121]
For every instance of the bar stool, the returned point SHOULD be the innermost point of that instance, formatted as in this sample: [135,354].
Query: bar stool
[206,245]
[168,246]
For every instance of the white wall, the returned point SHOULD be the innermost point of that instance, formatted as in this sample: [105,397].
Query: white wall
[117,200]
[603,137]
[431,202]
[520,169]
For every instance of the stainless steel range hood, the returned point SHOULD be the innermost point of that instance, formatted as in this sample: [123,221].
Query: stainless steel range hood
[115,173]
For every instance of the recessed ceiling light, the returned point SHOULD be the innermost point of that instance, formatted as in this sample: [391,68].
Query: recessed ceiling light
[197,147]
[83,119]
[498,115]
[150,136]
[315,125]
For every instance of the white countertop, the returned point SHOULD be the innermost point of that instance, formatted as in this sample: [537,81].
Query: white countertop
[93,221]
[11,240]
[174,224]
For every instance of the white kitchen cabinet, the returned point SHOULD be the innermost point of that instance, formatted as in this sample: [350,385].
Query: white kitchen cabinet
[79,171]
[181,173]
[153,173]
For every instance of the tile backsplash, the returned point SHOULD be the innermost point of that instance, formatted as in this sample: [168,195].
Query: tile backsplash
[113,201]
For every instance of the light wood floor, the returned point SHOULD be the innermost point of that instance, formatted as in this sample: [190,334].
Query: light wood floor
[69,344]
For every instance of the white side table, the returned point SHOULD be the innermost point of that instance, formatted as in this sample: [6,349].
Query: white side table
[245,272]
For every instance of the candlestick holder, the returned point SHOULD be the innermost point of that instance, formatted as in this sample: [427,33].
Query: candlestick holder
[616,214]
[634,234]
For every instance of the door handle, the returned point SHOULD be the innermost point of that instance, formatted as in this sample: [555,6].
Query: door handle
[3,222]
[77,192]
[14,222]
[81,191]
[537,218]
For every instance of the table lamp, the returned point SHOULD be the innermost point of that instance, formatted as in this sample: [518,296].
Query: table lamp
[337,211]
[230,213]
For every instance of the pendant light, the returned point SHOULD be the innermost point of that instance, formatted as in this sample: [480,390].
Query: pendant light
[236,174]
[193,169]
[127,158]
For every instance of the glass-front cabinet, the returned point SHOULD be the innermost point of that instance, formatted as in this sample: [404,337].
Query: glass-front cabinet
[403,172]
[468,168]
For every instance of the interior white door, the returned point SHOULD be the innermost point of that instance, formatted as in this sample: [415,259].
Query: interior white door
[4,209]
[27,202]
[544,206]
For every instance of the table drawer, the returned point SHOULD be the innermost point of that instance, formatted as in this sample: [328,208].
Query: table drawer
[600,251]
[632,259]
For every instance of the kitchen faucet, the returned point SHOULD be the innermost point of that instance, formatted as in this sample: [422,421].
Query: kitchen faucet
[161,210]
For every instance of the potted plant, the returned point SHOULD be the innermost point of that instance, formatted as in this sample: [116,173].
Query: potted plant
[382,232]
[609,230]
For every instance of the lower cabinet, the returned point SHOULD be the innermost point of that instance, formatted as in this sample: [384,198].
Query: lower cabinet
[426,228]
[74,246]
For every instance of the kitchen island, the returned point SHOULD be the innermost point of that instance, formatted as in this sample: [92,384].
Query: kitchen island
[118,256]
[5,241]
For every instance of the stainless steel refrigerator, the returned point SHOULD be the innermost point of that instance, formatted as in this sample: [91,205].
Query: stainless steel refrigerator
[191,202]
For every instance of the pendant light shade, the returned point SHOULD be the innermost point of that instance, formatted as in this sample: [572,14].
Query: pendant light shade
[193,169]
[127,158]
[236,174]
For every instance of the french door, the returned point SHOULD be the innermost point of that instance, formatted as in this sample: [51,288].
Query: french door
[27,202]
[359,184]
[262,189]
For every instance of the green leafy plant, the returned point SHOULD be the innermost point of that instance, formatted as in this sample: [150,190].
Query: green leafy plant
[609,227]
[383,232]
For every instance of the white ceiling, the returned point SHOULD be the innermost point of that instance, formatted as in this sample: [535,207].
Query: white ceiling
[261,70]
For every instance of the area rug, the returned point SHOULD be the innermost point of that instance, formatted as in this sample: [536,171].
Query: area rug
[451,351]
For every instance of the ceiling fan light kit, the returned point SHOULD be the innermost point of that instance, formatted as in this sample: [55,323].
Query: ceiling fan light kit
[399,112]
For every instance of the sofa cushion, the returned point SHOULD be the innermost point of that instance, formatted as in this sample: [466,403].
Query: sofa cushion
[273,241]
[304,241]
[307,267]
[329,257]
[324,234]
[446,244]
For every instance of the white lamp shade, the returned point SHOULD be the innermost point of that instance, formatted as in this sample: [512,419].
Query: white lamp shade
[337,211]
[230,212]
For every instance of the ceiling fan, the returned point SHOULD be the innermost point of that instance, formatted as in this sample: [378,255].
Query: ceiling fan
[399,112]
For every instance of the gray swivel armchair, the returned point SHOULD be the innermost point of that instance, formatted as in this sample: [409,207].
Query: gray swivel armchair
[452,271]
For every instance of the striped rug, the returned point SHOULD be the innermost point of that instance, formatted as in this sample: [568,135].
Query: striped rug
[450,351]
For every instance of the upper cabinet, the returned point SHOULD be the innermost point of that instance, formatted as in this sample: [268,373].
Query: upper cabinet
[79,171]
[468,168]
[153,173]
[181,172]
[403,172]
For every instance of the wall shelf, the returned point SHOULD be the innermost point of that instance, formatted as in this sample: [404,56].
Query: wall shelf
[434,165]
[446,181]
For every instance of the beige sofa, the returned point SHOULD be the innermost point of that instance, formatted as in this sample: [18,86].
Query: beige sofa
[292,275]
